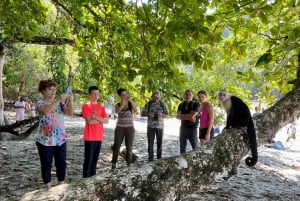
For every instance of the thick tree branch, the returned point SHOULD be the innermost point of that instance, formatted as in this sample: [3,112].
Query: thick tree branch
[161,180]
[181,175]
[238,7]
[3,50]
[66,11]
[11,128]
[25,134]
[297,83]
[97,17]
[41,40]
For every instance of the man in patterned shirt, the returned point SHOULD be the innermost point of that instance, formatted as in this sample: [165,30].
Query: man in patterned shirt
[156,110]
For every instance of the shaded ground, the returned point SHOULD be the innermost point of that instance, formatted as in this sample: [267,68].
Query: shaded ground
[275,177]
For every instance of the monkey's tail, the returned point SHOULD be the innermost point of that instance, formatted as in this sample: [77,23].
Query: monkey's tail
[251,161]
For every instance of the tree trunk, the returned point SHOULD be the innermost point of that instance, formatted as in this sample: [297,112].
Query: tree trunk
[178,176]
[3,52]
[285,111]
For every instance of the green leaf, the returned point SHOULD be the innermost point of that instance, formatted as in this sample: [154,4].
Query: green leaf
[263,17]
[264,59]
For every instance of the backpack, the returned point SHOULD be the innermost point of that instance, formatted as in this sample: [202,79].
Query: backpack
[160,102]
[190,106]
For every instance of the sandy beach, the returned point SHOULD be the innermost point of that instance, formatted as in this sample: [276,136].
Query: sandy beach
[275,177]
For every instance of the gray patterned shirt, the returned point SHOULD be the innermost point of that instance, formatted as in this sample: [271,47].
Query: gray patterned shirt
[156,108]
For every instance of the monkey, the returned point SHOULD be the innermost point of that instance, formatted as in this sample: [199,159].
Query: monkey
[239,115]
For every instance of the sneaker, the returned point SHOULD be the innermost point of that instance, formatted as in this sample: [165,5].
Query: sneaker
[48,185]
[113,166]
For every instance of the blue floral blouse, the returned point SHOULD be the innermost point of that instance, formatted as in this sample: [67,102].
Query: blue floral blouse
[51,130]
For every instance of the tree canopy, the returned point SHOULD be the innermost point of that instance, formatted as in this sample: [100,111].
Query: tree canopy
[243,46]
[250,47]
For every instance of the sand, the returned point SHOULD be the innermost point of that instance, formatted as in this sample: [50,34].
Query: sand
[275,177]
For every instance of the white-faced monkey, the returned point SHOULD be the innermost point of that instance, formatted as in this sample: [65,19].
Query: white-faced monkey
[238,115]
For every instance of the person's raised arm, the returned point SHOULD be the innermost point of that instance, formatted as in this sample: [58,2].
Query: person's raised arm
[46,109]
[119,107]
[69,106]
[133,105]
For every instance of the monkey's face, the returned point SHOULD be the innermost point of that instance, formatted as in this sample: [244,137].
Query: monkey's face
[223,96]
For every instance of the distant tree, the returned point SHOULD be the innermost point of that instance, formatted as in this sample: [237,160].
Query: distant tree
[15,27]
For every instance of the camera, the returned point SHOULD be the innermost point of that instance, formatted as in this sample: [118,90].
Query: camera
[155,118]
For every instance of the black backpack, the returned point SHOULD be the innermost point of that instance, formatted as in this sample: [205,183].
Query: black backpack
[190,106]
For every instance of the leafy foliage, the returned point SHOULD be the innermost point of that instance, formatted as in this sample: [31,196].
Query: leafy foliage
[247,47]
[57,65]
[20,73]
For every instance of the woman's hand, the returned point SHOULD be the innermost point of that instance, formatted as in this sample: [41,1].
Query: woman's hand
[63,97]
[207,137]
[70,97]
[129,99]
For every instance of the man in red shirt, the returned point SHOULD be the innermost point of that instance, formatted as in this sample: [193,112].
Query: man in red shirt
[94,115]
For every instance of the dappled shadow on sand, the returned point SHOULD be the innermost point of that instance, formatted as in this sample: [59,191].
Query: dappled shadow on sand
[275,177]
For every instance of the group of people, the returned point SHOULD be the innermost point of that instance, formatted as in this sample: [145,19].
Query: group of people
[51,134]
[190,112]
[198,114]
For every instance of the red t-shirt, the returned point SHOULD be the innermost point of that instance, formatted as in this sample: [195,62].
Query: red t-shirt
[93,132]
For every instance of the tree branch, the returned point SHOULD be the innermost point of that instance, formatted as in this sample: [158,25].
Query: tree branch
[11,128]
[238,7]
[66,11]
[41,40]
[98,17]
